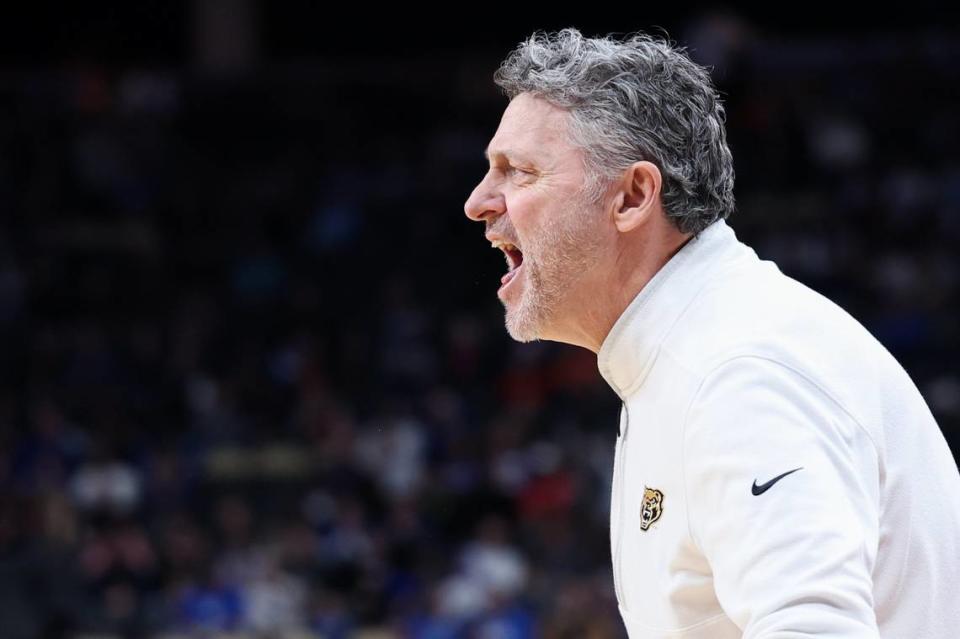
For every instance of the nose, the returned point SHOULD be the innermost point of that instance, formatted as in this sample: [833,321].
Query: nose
[484,203]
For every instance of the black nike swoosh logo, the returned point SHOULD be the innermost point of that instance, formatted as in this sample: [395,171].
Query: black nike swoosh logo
[762,488]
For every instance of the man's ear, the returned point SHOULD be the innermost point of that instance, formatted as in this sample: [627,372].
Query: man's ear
[639,196]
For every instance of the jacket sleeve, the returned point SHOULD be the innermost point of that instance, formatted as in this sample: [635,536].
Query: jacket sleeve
[795,560]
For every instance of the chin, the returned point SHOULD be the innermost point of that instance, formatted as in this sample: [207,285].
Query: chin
[525,323]
[521,331]
[521,335]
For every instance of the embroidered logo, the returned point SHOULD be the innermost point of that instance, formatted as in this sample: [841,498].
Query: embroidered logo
[652,507]
[762,488]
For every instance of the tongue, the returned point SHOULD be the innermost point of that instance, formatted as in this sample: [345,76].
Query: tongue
[509,275]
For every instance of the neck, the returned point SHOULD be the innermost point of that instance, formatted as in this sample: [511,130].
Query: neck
[603,297]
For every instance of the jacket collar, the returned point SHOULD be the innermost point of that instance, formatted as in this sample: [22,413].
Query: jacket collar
[629,348]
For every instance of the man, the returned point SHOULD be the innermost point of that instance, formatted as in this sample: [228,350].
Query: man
[777,472]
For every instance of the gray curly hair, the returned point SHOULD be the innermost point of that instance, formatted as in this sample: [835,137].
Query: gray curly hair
[637,99]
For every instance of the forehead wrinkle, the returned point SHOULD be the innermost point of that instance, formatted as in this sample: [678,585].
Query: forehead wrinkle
[541,126]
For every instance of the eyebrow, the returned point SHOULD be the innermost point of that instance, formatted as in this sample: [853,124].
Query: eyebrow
[507,153]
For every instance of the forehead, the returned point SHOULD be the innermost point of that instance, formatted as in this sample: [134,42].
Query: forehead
[531,130]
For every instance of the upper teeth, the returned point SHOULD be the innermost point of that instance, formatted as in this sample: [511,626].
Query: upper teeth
[508,252]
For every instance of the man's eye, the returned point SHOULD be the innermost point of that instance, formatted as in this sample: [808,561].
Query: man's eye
[510,171]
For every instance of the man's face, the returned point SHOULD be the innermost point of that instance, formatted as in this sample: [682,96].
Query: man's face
[532,198]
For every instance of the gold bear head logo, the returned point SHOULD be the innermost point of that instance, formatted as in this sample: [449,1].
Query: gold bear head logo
[652,507]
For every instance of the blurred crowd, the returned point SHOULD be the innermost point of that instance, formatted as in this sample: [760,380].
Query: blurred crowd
[255,378]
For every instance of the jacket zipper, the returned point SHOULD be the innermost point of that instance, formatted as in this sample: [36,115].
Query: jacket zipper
[618,491]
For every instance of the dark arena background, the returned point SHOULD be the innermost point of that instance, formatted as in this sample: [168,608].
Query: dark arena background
[255,380]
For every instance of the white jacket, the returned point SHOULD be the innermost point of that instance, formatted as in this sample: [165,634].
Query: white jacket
[732,375]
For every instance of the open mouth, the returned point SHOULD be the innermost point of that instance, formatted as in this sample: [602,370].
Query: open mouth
[514,258]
